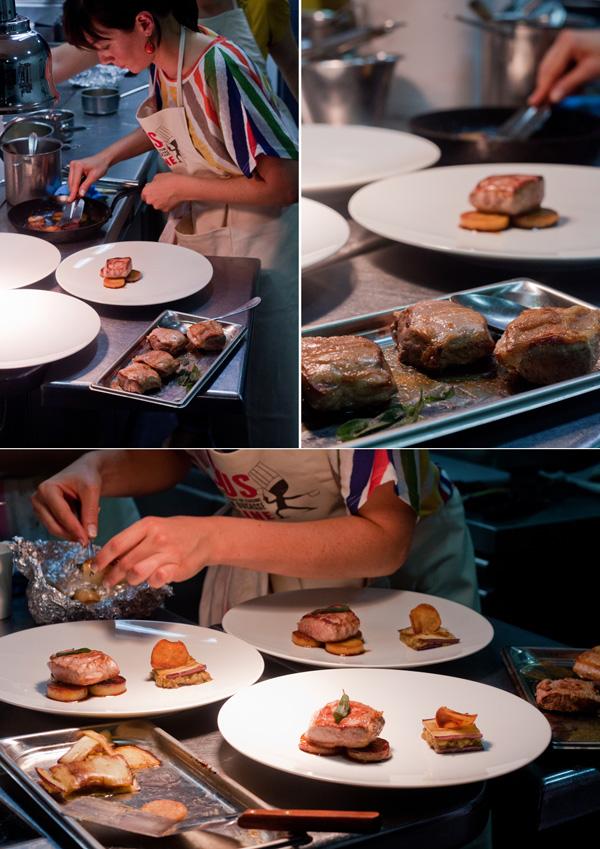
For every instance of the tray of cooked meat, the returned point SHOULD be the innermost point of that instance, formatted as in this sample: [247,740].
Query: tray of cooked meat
[122,782]
[432,368]
[564,683]
[172,360]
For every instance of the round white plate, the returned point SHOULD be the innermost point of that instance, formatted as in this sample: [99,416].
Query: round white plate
[25,260]
[267,623]
[324,232]
[39,327]
[339,157]
[265,722]
[169,273]
[423,209]
[24,671]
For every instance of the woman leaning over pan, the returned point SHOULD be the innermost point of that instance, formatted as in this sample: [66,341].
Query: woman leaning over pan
[233,179]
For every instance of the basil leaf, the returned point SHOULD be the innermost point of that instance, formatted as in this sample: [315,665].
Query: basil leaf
[333,608]
[406,413]
[343,708]
[70,651]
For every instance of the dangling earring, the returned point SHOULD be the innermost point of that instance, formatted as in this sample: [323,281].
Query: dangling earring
[149,46]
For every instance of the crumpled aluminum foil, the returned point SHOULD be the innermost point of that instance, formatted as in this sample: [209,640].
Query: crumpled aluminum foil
[53,572]
[99,76]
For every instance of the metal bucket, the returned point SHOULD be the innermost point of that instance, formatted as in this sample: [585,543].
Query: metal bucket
[350,90]
[19,128]
[31,176]
[510,60]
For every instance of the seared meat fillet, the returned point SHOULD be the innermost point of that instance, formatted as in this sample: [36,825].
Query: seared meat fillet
[435,335]
[568,695]
[138,378]
[117,266]
[550,344]
[161,361]
[207,335]
[329,626]
[356,730]
[344,372]
[510,194]
[167,339]
[587,664]
[82,669]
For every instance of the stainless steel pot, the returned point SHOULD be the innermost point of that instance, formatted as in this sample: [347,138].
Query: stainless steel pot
[105,101]
[32,176]
[350,90]
[21,127]
[62,120]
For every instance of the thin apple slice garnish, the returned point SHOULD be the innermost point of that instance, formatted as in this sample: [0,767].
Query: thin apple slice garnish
[447,718]
[425,619]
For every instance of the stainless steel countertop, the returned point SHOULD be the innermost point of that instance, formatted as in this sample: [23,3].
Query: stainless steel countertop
[372,273]
[66,382]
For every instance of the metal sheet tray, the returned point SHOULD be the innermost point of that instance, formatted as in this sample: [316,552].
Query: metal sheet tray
[172,394]
[527,666]
[214,801]
[477,400]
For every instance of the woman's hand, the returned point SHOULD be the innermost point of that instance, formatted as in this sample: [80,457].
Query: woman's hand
[68,503]
[83,172]
[573,59]
[163,192]
[157,550]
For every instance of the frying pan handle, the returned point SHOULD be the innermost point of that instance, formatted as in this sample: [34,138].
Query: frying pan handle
[127,190]
[309,820]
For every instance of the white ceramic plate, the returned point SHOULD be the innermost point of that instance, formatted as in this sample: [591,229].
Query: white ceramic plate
[39,327]
[423,209]
[25,260]
[265,722]
[24,672]
[267,623]
[169,273]
[324,232]
[339,157]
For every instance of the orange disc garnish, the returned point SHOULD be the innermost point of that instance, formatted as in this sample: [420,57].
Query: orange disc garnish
[168,654]
[446,718]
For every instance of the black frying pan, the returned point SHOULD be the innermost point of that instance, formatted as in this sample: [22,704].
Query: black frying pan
[569,136]
[95,214]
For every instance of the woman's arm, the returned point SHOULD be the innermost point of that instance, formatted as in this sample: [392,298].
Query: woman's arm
[375,542]
[83,172]
[68,502]
[68,60]
[273,183]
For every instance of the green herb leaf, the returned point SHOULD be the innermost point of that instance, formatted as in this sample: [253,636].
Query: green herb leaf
[343,708]
[406,413]
[70,651]
[333,608]
[187,379]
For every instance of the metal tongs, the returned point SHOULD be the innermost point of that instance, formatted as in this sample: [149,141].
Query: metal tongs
[72,213]
[523,123]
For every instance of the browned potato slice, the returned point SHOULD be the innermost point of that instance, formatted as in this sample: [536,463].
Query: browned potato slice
[65,692]
[486,222]
[61,774]
[114,282]
[306,746]
[80,750]
[137,758]
[378,750]
[346,648]
[50,783]
[537,219]
[112,687]
[300,639]
[425,619]
[169,808]
[104,743]
[133,276]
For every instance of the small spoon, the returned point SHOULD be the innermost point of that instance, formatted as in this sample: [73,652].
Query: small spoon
[497,311]
[32,141]
[249,305]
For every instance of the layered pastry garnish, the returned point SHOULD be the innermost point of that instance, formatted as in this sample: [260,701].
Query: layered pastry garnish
[426,630]
[335,628]
[349,728]
[79,673]
[173,666]
[450,731]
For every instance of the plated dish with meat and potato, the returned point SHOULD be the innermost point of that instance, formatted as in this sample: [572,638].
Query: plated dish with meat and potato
[358,627]
[384,728]
[123,668]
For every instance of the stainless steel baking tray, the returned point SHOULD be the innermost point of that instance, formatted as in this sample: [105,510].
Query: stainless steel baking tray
[172,394]
[527,666]
[477,400]
[213,800]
